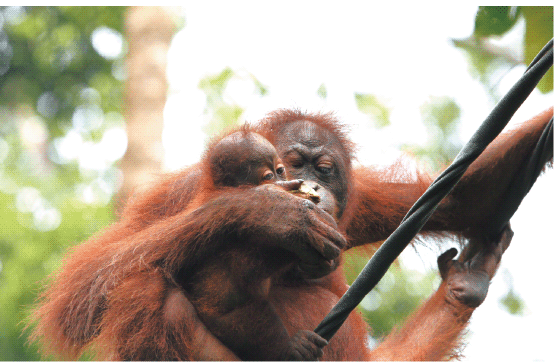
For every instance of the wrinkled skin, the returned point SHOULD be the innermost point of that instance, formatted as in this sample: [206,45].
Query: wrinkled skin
[468,280]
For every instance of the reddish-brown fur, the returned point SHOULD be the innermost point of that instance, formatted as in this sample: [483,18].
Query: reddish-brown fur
[118,293]
[230,289]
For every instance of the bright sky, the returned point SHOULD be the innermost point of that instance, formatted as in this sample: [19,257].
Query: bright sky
[401,53]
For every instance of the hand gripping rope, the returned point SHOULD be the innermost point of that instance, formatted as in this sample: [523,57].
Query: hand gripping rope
[428,202]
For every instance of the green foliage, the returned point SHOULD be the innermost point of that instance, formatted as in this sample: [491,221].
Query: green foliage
[490,62]
[394,298]
[222,111]
[487,63]
[214,85]
[53,54]
[400,292]
[58,98]
[538,31]
[513,303]
[57,91]
[322,91]
[28,255]
[440,116]
[495,20]
[375,108]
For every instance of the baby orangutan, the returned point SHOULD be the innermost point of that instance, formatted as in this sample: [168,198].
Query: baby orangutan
[230,289]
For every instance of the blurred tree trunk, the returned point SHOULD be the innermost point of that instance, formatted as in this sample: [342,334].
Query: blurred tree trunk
[149,31]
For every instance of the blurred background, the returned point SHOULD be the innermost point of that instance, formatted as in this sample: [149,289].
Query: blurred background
[95,101]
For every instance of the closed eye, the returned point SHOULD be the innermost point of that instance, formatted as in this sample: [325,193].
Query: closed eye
[324,167]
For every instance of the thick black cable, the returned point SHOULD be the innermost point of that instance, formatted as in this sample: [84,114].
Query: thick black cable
[420,212]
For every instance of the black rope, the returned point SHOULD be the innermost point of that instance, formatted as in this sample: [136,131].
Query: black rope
[420,212]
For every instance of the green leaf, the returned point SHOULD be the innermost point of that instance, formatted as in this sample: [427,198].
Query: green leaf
[440,111]
[216,83]
[224,116]
[260,87]
[495,20]
[538,32]
[373,107]
[512,303]
[322,91]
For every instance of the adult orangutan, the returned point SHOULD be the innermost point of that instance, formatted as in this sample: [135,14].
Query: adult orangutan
[122,292]
[230,289]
